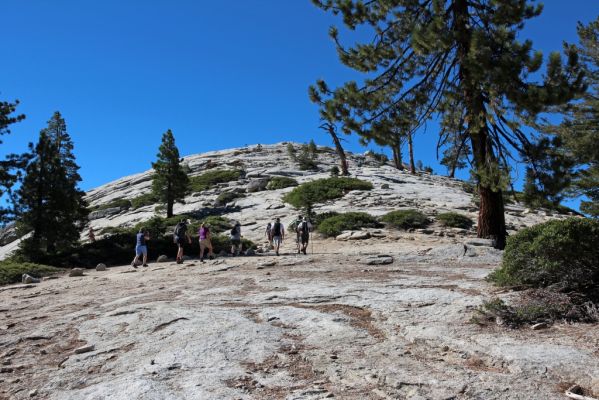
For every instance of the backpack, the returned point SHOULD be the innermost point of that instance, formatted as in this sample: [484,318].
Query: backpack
[304,228]
[234,231]
[180,230]
[276,229]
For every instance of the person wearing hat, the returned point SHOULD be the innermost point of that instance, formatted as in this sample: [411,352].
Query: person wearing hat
[205,241]
[236,245]
[180,236]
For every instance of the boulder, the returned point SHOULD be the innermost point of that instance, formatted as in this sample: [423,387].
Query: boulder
[480,242]
[381,259]
[257,185]
[162,258]
[8,234]
[101,267]
[354,235]
[76,272]
[250,252]
[26,278]
[385,186]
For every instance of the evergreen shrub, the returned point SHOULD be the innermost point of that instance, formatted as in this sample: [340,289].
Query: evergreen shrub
[336,224]
[406,219]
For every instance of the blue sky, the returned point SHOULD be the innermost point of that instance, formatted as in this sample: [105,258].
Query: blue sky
[219,74]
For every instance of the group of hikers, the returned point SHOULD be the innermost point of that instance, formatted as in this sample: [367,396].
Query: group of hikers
[275,234]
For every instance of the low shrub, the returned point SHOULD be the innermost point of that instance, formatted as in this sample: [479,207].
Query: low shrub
[334,171]
[334,225]
[406,219]
[121,203]
[318,218]
[227,197]
[210,178]
[144,200]
[558,253]
[536,306]
[321,190]
[280,182]
[11,271]
[454,220]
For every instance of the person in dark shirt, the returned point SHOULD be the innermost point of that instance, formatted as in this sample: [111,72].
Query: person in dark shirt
[141,248]
[180,237]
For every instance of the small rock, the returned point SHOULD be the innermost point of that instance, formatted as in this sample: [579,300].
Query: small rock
[250,252]
[33,393]
[480,242]
[26,278]
[354,235]
[539,326]
[162,258]
[85,349]
[76,272]
[268,264]
[101,267]
[385,186]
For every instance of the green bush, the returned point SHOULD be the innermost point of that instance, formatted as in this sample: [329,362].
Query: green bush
[334,171]
[227,197]
[321,190]
[455,220]
[218,224]
[11,271]
[121,203]
[144,200]
[406,219]
[210,178]
[334,225]
[280,182]
[318,218]
[558,252]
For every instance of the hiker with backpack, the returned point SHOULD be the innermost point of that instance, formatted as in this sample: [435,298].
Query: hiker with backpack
[205,241]
[236,246]
[141,248]
[278,234]
[303,232]
[180,236]
[294,226]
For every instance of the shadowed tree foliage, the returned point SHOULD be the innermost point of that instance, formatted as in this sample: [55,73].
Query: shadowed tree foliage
[51,206]
[11,166]
[170,183]
[426,55]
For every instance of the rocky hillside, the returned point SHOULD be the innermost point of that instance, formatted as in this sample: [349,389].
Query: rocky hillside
[393,190]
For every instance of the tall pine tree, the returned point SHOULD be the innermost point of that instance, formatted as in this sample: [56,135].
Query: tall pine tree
[51,205]
[170,183]
[425,54]
[11,166]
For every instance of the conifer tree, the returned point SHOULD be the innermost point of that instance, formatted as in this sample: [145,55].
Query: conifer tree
[170,183]
[51,205]
[426,54]
[579,131]
[11,166]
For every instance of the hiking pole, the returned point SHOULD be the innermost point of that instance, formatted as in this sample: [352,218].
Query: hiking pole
[310,236]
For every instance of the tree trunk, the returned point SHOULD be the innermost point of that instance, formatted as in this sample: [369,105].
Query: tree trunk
[169,200]
[411,152]
[454,164]
[340,151]
[491,218]
[397,161]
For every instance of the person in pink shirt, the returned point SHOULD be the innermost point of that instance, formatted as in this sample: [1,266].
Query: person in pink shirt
[205,241]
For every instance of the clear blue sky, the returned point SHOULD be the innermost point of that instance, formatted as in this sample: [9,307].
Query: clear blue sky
[218,73]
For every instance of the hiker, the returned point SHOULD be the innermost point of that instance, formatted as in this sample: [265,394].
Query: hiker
[269,234]
[303,231]
[205,241]
[236,246]
[180,236]
[278,234]
[91,235]
[141,248]
[294,226]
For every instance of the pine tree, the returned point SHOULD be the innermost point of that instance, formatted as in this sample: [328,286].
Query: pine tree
[580,129]
[170,183]
[428,54]
[51,205]
[12,165]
